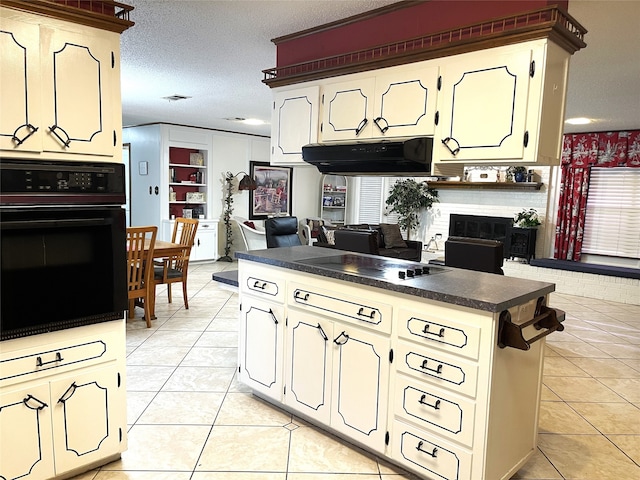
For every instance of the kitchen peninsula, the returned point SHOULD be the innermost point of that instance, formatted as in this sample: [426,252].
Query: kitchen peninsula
[435,368]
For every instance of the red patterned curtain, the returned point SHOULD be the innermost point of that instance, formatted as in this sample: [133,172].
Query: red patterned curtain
[579,153]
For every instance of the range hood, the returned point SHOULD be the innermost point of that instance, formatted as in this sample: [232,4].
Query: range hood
[400,157]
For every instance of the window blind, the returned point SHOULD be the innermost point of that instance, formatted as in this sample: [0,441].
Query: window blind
[370,200]
[612,221]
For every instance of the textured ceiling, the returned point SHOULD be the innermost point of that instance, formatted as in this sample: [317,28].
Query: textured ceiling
[215,51]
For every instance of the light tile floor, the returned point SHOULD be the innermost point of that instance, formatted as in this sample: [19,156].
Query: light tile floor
[189,419]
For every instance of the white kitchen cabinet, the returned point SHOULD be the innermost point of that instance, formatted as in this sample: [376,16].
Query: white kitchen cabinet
[261,351]
[422,382]
[396,102]
[309,365]
[294,123]
[205,244]
[502,105]
[62,401]
[60,92]
[262,327]
[336,374]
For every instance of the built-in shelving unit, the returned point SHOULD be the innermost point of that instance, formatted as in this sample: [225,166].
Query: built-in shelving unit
[333,205]
[187,181]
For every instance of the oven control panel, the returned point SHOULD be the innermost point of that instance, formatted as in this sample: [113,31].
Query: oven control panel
[24,181]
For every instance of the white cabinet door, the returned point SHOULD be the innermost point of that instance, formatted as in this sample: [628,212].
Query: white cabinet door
[347,109]
[405,103]
[360,385]
[262,347]
[294,124]
[25,433]
[79,72]
[483,107]
[20,122]
[308,367]
[394,103]
[206,242]
[87,425]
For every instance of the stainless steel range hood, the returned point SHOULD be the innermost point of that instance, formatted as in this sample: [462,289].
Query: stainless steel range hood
[399,157]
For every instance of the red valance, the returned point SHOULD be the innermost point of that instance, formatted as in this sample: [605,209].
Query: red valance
[603,149]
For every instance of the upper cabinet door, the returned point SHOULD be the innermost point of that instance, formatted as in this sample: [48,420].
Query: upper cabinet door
[347,109]
[78,75]
[396,103]
[294,123]
[405,104]
[483,107]
[20,122]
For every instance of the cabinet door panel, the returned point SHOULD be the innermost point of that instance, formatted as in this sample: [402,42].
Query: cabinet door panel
[295,124]
[309,365]
[77,73]
[347,109]
[85,429]
[406,103]
[25,433]
[19,87]
[360,376]
[484,107]
[262,328]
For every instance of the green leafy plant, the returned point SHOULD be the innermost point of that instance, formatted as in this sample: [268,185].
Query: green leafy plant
[407,198]
[527,218]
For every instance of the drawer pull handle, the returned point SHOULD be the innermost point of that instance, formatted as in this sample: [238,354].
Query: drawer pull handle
[68,393]
[435,406]
[31,397]
[426,331]
[20,141]
[437,370]
[324,335]
[371,314]
[433,453]
[299,296]
[40,363]
[346,339]
[259,285]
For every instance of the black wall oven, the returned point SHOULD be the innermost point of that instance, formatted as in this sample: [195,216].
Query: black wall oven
[62,245]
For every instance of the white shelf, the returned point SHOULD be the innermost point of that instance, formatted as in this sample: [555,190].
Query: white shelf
[186,165]
[187,184]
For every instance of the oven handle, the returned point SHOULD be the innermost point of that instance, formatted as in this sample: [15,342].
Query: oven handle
[88,222]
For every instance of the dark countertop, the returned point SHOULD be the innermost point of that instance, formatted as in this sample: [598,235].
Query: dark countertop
[477,290]
[228,277]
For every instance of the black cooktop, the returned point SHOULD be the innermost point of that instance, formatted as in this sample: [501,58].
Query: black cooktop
[382,268]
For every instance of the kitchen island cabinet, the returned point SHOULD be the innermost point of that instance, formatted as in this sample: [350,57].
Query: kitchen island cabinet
[431,381]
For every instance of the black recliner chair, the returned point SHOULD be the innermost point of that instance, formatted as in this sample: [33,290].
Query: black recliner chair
[282,232]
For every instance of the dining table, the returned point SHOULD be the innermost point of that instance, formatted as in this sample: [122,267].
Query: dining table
[162,249]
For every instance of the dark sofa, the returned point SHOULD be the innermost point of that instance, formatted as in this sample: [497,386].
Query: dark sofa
[370,239]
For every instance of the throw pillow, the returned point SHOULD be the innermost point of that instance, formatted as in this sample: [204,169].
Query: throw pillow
[392,236]
[250,224]
[327,235]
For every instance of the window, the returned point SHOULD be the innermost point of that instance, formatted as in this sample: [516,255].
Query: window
[612,221]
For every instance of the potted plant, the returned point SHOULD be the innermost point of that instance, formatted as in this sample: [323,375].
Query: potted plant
[517,174]
[527,218]
[407,198]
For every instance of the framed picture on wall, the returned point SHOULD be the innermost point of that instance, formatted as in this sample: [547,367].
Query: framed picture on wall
[272,197]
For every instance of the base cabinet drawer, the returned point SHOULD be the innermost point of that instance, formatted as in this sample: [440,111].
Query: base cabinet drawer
[437,410]
[431,457]
[438,368]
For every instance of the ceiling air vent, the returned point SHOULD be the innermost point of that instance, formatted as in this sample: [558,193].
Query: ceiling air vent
[175,98]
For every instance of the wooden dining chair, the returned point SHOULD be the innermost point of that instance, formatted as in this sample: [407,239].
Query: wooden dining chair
[174,269]
[139,270]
